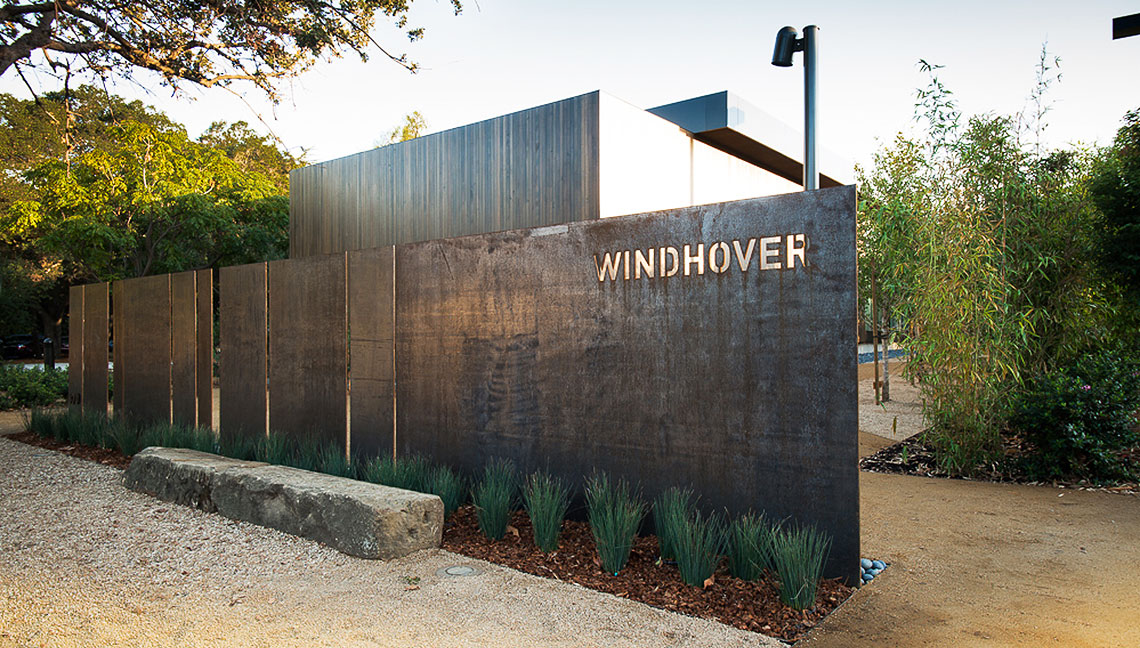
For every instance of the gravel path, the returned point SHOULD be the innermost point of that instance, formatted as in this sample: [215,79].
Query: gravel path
[83,561]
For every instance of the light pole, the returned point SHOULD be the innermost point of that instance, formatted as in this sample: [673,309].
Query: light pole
[788,42]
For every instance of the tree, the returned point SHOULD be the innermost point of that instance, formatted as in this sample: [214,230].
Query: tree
[414,126]
[252,152]
[1116,190]
[133,197]
[210,43]
[982,244]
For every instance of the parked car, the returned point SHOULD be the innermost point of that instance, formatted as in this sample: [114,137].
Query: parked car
[22,346]
[64,347]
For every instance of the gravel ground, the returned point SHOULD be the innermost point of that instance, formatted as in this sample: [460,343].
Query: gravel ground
[83,561]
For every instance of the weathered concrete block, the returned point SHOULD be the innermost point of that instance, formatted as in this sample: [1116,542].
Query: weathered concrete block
[359,518]
[179,475]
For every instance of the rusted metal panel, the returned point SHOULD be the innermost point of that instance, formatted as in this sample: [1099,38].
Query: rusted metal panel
[183,351]
[95,334]
[308,348]
[371,319]
[75,351]
[204,381]
[118,328]
[708,350]
[242,365]
[143,349]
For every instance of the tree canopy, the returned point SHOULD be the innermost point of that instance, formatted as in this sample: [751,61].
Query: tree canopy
[210,43]
[129,194]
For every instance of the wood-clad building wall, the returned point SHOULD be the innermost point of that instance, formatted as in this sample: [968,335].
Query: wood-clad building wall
[530,168]
[587,157]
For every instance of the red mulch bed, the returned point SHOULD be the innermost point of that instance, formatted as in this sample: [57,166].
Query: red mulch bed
[98,455]
[753,606]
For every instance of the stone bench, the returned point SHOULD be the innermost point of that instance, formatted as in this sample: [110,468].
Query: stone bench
[359,518]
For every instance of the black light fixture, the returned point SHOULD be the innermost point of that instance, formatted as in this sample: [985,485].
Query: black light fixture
[788,42]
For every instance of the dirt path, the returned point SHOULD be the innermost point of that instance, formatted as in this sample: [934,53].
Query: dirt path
[980,564]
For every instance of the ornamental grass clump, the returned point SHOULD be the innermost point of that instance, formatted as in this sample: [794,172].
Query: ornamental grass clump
[546,498]
[614,512]
[412,473]
[748,543]
[799,554]
[670,510]
[449,486]
[239,446]
[275,449]
[697,544]
[124,437]
[42,424]
[307,453]
[494,497]
[333,460]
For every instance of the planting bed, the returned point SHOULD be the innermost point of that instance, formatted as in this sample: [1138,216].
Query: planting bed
[98,455]
[753,606]
[914,456]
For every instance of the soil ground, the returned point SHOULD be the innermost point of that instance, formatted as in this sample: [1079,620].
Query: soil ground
[984,564]
[972,564]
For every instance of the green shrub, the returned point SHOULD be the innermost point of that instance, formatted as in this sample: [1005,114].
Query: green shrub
[1082,419]
[670,510]
[748,542]
[799,554]
[698,543]
[450,488]
[31,387]
[614,512]
[546,499]
[494,497]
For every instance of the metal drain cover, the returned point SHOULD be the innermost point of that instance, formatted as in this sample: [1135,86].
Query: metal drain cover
[457,570]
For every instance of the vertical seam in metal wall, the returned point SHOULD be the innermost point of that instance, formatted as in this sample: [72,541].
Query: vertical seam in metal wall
[394,352]
[346,334]
[265,345]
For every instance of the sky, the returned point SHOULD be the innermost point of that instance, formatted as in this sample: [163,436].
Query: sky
[500,56]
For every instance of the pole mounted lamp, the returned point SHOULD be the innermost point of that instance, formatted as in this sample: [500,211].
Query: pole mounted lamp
[788,42]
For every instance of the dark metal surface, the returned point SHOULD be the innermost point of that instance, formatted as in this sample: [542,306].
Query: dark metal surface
[1125,26]
[308,372]
[731,124]
[183,348]
[242,333]
[371,354]
[95,332]
[75,353]
[143,348]
[533,167]
[740,384]
[204,361]
[118,305]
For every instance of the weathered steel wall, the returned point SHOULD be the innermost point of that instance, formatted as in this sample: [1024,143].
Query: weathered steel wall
[534,167]
[733,373]
[75,350]
[142,347]
[204,354]
[242,366]
[371,322]
[96,329]
[183,348]
[308,369]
